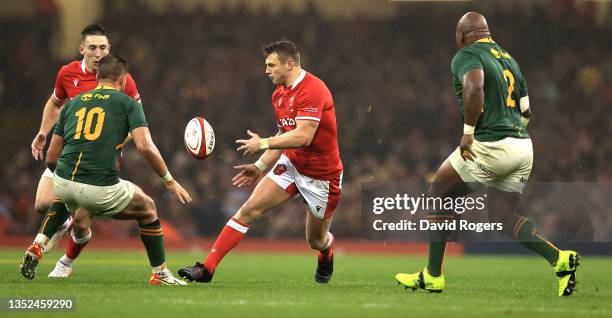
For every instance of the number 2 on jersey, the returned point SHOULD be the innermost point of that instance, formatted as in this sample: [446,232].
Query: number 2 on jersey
[83,115]
[509,77]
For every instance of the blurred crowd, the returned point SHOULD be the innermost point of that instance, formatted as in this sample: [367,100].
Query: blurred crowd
[390,78]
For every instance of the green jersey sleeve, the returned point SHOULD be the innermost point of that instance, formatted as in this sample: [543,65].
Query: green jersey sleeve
[463,62]
[136,116]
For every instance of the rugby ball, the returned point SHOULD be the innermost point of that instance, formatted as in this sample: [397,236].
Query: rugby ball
[199,138]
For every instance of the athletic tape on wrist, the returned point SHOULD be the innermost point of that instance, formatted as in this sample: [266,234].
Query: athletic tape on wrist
[468,130]
[261,165]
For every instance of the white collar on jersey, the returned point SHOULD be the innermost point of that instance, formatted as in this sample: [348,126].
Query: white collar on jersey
[83,68]
[299,79]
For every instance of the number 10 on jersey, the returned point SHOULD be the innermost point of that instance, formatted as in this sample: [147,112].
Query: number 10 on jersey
[88,116]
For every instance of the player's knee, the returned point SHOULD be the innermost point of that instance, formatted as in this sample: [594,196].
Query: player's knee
[316,243]
[249,212]
[41,206]
[80,230]
[150,210]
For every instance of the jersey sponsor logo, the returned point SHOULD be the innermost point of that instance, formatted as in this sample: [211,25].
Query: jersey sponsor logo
[486,170]
[284,122]
[318,208]
[75,82]
[499,54]
[102,97]
[280,169]
[311,110]
[88,96]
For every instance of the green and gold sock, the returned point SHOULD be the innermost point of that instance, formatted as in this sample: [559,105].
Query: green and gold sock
[436,258]
[526,233]
[56,216]
[437,243]
[152,237]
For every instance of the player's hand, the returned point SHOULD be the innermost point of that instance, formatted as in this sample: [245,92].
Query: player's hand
[248,174]
[465,147]
[178,190]
[38,145]
[249,146]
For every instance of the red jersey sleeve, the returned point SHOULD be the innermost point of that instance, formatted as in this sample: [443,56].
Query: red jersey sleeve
[59,91]
[310,104]
[131,89]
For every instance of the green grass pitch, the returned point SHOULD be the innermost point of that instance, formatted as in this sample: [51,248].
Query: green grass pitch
[113,284]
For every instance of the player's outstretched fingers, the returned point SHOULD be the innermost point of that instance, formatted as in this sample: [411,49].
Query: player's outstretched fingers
[180,198]
[175,188]
[38,145]
[37,153]
[185,195]
[240,174]
[244,148]
[245,182]
[239,182]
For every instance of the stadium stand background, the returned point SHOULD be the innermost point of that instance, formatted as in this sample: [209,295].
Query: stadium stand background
[389,74]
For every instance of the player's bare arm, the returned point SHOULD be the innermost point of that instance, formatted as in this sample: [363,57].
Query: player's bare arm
[144,144]
[50,115]
[54,151]
[473,101]
[300,137]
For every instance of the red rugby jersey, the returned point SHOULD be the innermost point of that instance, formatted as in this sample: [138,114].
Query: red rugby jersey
[74,79]
[309,99]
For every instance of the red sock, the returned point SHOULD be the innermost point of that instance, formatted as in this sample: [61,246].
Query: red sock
[327,251]
[75,248]
[230,236]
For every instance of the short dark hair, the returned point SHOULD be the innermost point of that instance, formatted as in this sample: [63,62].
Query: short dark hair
[92,29]
[111,67]
[284,48]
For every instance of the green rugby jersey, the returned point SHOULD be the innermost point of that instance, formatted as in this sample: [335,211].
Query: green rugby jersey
[504,86]
[94,125]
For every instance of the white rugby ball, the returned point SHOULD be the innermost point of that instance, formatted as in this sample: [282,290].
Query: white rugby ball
[199,138]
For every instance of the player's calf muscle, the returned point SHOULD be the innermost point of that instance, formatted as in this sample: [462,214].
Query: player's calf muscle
[249,212]
[141,208]
[148,213]
[42,205]
[44,195]
[82,222]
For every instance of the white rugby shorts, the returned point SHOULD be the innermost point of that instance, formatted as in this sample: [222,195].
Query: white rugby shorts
[102,201]
[504,164]
[321,196]
[48,173]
